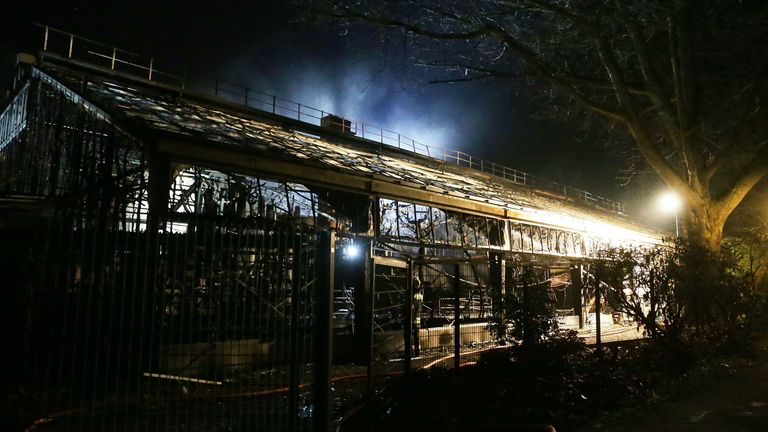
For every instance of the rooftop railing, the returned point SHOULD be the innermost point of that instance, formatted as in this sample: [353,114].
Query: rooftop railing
[69,45]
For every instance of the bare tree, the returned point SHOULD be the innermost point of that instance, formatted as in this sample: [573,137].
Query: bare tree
[683,81]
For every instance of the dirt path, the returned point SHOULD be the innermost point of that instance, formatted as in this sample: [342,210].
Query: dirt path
[736,401]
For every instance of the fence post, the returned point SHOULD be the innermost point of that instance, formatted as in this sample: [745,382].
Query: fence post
[323,332]
[456,317]
[496,264]
[526,308]
[598,307]
[579,288]
[293,338]
[371,314]
[408,326]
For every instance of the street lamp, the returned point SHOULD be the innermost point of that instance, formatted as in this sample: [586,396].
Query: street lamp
[670,202]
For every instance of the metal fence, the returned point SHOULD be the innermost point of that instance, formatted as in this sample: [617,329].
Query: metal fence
[78,48]
[140,307]
[418,314]
[146,294]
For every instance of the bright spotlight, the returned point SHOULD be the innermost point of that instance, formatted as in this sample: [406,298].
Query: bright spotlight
[351,251]
[670,202]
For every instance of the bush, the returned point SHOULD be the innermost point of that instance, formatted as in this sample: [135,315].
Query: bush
[681,295]
[525,312]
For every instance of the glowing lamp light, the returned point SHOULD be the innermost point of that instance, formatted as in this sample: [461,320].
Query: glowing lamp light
[351,251]
[670,202]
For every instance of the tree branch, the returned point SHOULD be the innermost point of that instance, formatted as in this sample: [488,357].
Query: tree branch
[645,145]
[685,90]
[752,173]
[656,92]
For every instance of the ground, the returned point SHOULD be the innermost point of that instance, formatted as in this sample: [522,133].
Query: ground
[568,387]
[734,397]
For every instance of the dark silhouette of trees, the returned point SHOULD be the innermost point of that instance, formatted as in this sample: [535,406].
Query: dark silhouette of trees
[683,81]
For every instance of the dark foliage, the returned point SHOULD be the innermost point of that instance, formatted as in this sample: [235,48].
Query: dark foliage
[524,310]
[683,296]
[561,382]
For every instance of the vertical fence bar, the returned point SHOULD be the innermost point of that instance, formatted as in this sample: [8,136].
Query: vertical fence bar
[371,299]
[151,66]
[598,309]
[71,42]
[456,317]
[114,55]
[45,39]
[293,336]
[496,270]
[579,288]
[324,332]
[526,307]
[408,327]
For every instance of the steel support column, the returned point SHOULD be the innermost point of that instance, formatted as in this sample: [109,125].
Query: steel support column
[579,288]
[598,310]
[408,327]
[293,335]
[456,316]
[323,332]
[496,273]
[371,305]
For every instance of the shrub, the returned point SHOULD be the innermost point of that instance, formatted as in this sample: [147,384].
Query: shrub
[682,295]
[525,311]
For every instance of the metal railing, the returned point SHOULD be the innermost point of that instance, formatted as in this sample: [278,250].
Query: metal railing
[78,48]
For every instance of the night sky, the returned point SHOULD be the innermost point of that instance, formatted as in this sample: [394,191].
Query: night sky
[265,46]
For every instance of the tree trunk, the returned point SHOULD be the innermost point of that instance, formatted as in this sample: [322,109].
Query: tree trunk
[704,227]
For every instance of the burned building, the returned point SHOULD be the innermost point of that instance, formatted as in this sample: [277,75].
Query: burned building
[183,252]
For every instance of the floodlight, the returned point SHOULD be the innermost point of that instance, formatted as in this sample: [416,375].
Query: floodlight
[351,251]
